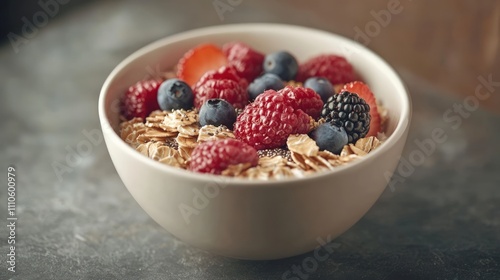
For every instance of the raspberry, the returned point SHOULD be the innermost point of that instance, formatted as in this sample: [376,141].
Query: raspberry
[305,99]
[228,90]
[267,122]
[248,62]
[348,110]
[332,67]
[215,156]
[223,73]
[141,99]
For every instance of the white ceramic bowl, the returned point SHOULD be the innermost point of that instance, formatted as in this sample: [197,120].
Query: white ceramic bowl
[256,219]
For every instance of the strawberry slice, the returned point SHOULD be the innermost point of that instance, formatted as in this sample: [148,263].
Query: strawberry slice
[364,92]
[198,61]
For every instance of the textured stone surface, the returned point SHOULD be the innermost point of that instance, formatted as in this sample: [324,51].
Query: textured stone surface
[442,222]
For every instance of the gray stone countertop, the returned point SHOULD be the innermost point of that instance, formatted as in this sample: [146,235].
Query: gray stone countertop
[440,221]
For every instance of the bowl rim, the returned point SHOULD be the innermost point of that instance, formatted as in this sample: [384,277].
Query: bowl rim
[401,127]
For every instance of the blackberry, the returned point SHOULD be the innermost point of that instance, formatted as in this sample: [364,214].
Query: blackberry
[348,110]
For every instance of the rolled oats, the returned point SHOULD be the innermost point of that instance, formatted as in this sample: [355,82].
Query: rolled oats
[178,118]
[384,116]
[282,172]
[271,162]
[186,142]
[294,84]
[185,153]
[161,153]
[323,162]
[356,150]
[189,130]
[210,132]
[131,130]
[236,169]
[157,133]
[315,123]
[302,144]
[171,137]
[300,161]
[156,116]
[368,144]
[346,151]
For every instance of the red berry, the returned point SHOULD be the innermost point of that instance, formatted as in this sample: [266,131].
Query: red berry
[141,99]
[228,90]
[215,156]
[196,62]
[305,99]
[364,92]
[223,73]
[269,120]
[247,61]
[332,67]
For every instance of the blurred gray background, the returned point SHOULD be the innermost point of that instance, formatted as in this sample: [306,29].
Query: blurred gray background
[442,221]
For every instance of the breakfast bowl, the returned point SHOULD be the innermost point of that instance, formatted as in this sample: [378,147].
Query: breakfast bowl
[246,218]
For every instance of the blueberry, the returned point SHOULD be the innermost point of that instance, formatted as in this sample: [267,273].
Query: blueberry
[330,137]
[321,86]
[263,83]
[282,64]
[175,94]
[217,112]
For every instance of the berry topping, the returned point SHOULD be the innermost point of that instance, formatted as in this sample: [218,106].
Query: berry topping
[364,92]
[305,99]
[332,67]
[321,86]
[263,83]
[246,61]
[196,62]
[215,156]
[228,90]
[255,106]
[141,99]
[282,64]
[223,73]
[175,94]
[217,112]
[349,111]
[330,137]
[267,122]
